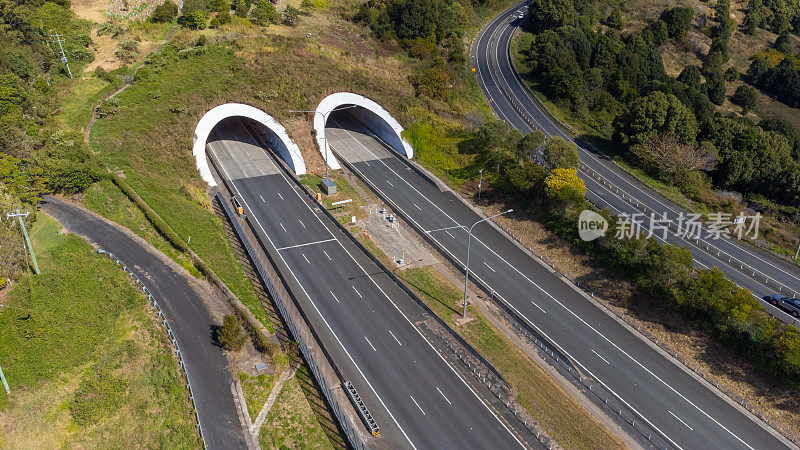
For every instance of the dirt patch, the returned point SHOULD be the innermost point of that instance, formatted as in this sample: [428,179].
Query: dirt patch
[104,48]
[94,10]
[396,240]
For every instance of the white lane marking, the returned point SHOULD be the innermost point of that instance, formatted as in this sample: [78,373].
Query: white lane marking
[284,228]
[390,183]
[419,333]
[679,420]
[326,254]
[490,267]
[279,195]
[417,207]
[262,198]
[415,402]
[307,243]
[395,338]
[370,344]
[598,355]
[408,321]
[448,233]
[339,341]
[359,294]
[534,304]
[304,257]
[334,296]
[457,258]
[301,223]
[569,311]
[445,397]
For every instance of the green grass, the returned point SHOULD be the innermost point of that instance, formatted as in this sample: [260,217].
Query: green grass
[256,391]
[87,361]
[291,422]
[561,416]
[344,191]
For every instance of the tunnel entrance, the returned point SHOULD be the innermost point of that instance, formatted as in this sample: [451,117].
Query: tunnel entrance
[265,128]
[366,112]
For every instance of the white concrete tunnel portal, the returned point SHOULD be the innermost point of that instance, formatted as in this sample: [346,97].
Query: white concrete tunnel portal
[366,111]
[275,134]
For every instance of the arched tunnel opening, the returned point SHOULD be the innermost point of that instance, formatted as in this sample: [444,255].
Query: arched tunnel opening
[344,119]
[244,131]
[239,145]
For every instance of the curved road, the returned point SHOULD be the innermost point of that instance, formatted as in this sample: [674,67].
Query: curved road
[608,186]
[205,362]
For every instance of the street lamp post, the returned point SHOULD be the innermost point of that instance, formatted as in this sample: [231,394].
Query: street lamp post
[324,133]
[798,250]
[469,242]
[480,183]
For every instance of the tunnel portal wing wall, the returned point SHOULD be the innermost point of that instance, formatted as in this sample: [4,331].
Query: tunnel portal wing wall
[276,135]
[371,114]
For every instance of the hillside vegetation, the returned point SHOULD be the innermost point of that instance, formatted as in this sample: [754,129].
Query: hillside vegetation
[692,127]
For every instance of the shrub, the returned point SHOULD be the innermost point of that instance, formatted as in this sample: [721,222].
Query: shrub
[230,335]
[561,154]
[264,14]
[745,96]
[678,20]
[564,187]
[291,16]
[164,12]
[731,74]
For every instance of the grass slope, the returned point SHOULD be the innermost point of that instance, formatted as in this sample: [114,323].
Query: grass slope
[87,362]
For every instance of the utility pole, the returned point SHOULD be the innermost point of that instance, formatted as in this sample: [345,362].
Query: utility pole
[19,216]
[798,250]
[57,37]
[5,383]
[466,268]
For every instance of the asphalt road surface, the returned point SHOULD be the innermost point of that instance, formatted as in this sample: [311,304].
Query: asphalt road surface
[621,192]
[663,394]
[205,363]
[364,318]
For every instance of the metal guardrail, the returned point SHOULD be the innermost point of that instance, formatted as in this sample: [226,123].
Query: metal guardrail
[362,408]
[167,325]
[304,339]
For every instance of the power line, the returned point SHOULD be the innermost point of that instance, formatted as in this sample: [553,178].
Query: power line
[57,37]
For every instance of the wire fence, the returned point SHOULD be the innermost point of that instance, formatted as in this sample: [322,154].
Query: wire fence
[329,381]
[165,322]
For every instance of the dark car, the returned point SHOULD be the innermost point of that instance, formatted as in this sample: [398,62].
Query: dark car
[788,304]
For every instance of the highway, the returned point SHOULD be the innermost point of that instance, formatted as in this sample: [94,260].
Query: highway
[608,186]
[674,403]
[365,320]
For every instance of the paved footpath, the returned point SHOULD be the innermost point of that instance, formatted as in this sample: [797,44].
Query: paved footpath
[183,307]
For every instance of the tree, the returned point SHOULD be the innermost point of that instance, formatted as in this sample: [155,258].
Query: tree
[614,20]
[691,76]
[561,154]
[564,187]
[434,82]
[745,96]
[549,14]
[783,43]
[653,114]
[671,160]
[678,20]
[164,12]
[224,18]
[757,69]
[291,16]
[195,20]
[264,14]
[528,145]
[230,334]
[715,89]
[731,74]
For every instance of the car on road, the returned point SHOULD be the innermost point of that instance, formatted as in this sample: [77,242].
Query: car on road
[788,304]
